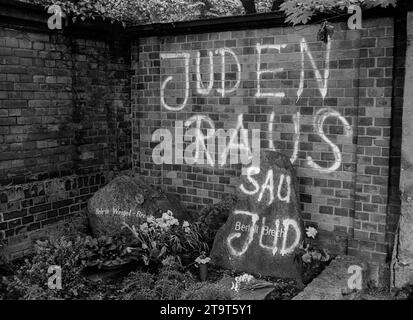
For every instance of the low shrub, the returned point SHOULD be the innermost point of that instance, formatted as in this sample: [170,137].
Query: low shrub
[107,252]
[167,285]
[207,291]
[137,285]
[171,283]
[30,281]
[163,241]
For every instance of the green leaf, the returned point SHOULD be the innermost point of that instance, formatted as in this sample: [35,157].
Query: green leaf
[163,251]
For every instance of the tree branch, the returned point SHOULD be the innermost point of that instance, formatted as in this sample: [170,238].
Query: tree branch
[249,6]
[276,5]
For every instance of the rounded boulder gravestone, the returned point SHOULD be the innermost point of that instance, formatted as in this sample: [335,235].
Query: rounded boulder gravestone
[129,200]
[265,228]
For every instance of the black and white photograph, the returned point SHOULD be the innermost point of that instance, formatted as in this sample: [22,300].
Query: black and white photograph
[232,152]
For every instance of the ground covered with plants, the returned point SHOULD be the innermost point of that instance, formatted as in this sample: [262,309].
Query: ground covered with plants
[160,258]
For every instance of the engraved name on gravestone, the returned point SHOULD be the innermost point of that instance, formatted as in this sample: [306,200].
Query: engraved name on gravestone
[264,230]
[129,200]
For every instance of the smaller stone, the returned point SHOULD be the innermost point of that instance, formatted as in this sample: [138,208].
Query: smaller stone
[264,229]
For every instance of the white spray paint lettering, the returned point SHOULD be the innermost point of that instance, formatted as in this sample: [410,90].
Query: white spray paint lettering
[319,119]
[260,71]
[296,120]
[268,185]
[199,148]
[199,143]
[199,85]
[282,230]
[222,52]
[321,81]
[202,146]
[236,235]
[270,131]
[185,56]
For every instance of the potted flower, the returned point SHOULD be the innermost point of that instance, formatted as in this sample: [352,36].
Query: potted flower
[202,262]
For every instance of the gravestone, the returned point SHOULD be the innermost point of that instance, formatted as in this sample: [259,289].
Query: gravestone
[131,200]
[265,228]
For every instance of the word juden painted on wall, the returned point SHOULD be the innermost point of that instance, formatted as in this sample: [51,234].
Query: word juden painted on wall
[239,144]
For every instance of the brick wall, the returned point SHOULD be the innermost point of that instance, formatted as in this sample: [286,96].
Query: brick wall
[343,126]
[334,108]
[64,123]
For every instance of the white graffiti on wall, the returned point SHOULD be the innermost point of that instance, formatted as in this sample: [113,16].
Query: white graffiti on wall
[171,150]
[282,230]
[238,149]
[319,119]
[322,82]
[318,124]
[186,56]
[260,71]
[222,52]
[242,146]
[199,144]
[296,120]
[204,145]
[270,131]
[200,88]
